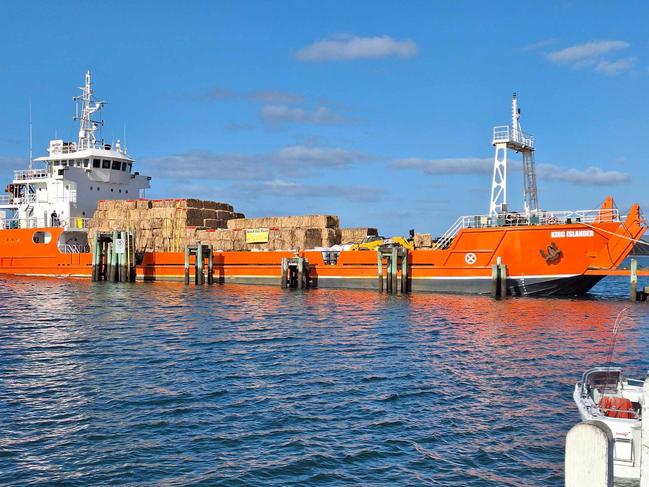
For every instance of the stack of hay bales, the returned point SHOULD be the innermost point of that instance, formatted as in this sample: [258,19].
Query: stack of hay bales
[356,235]
[423,240]
[170,225]
[159,225]
[284,233]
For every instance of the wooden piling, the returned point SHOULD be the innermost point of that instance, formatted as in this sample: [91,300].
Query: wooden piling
[284,277]
[379,258]
[300,273]
[95,258]
[210,265]
[503,280]
[589,455]
[186,265]
[200,276]
[495,284]
[633,284]
[395,269]
[113,259]
[404,272]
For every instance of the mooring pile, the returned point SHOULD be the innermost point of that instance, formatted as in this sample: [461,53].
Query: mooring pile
[170,225]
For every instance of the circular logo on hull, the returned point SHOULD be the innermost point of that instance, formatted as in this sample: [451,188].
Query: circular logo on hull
[470,258]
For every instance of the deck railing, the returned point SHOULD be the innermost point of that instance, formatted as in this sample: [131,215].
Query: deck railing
[31,174]
[522,220]
[505,133]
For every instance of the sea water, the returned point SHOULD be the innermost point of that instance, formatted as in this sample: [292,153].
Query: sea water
[166,384]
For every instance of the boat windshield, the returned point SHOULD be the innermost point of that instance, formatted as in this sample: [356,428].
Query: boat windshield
[602,379]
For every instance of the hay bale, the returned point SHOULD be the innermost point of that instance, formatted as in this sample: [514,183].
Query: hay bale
[423,240]
[303,221]
[356,235]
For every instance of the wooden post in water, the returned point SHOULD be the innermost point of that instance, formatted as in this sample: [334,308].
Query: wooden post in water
[113,259]
[95,258]
[200,276]
[404,272]
[644,452]
[123,271]
[379,258]
[633,285]
[495,285]
[284,277]
[589,455]
[503,280]
[300,273]
[395,269]
[131,257]
[210,265]
[187,265]
[388,269]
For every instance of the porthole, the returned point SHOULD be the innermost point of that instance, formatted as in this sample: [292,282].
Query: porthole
[42,237]
[90,188]
[111,190]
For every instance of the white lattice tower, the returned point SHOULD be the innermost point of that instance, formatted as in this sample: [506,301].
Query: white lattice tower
[512,137]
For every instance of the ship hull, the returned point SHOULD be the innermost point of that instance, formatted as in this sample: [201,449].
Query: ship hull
[580,258]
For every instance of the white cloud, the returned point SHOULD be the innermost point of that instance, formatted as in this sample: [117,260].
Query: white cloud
[458,165]
[290,190]
[270,96]
[586,51]
[297,160]
[591,176]
[347,48]
[595,55]
[278,114]
[612,68]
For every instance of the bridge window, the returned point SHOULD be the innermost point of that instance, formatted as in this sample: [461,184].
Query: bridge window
[123,166]
[42,237]
[130,165]
[105,164]
[96,163]
[116,165]
[86,163]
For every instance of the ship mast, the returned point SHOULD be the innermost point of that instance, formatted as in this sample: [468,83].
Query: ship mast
[88,105]
[512,137]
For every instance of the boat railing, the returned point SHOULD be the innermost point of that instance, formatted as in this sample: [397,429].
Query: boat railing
[76,223]
[31,174]
[514,219]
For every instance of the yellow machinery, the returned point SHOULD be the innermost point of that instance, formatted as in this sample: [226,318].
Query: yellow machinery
[374,243]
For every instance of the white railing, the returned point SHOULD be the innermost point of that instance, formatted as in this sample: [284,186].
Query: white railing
[522,220]
[505,133]
[76,223]
[31,174]
[74,248]
[5,199]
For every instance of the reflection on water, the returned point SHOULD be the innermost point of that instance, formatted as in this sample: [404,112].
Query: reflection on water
[234,385]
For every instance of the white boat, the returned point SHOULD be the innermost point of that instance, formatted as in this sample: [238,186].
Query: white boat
[604,394]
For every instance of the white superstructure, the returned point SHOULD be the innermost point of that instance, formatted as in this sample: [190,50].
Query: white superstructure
[73,176]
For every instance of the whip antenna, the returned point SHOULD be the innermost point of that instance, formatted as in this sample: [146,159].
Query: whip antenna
[616,328]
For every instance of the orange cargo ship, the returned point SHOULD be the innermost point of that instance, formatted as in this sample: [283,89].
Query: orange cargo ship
[45,215]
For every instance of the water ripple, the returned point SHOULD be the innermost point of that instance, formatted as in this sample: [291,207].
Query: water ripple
[231,385]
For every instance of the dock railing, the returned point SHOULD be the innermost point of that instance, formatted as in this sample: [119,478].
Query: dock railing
[513,219]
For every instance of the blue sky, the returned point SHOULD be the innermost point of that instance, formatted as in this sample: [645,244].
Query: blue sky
[380,112]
